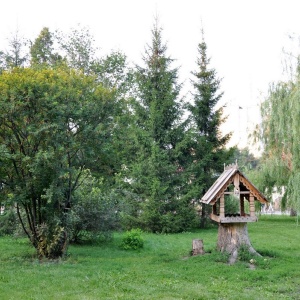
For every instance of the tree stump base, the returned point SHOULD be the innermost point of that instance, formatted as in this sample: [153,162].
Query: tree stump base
[231,237]
[198,247]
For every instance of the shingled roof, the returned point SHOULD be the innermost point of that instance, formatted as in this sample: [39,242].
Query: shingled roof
[227,178]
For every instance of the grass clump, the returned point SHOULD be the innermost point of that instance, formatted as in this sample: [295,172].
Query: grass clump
[132,240]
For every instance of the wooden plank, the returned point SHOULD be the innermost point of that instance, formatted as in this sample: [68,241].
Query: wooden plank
[242,193]
[238,219]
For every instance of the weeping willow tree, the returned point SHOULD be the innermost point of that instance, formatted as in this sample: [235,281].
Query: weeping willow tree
[280,134]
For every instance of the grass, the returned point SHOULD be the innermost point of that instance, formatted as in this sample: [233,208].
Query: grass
[163,269]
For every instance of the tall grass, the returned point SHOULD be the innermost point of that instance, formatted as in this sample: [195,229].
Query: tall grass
[163,269]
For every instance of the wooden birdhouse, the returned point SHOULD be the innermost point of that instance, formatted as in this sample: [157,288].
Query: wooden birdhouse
[233,188]
[232,184]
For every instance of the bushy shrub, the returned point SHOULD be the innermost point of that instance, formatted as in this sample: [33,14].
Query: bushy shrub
[94,214]
[132,240]
[8,222]
[52,242]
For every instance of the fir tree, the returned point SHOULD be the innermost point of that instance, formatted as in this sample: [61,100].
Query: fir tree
[156,178]
[207,145]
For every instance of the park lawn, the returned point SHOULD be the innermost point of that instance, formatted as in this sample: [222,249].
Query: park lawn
[163,269]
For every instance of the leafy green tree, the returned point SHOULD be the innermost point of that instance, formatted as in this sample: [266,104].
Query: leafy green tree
[155,175]
[206,146]
[113,71]
[78,49]
[54,124]
[245,160]
[95,212]
[280,131]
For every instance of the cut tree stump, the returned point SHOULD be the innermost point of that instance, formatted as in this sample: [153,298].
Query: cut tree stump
[231,237]
[198,247]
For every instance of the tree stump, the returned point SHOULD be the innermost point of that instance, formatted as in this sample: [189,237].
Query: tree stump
[197,247]
[231,237]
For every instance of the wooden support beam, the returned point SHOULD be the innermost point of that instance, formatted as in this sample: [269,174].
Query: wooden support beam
[222,207]
[252,206]
[242,193]
[242,206]
[214,209]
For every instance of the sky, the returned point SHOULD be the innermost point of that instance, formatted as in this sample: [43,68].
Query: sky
[245,39]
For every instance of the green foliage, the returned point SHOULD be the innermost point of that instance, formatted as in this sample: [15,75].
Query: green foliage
[132,240]
[78,49]
[206,145]
[8,222]
[246,161]
[221,257]
[15,56]
[47,142]
[279,134]
[52,241]
[94,213]
[42,50]
[232,205]
[154,172]
[244,254]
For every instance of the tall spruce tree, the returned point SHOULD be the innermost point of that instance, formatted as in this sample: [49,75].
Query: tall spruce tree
[207,144]
[155,174]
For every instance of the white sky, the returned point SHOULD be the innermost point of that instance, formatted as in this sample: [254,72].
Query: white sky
[244,38]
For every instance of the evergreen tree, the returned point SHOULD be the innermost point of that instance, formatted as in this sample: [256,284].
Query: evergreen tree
[207,144]
[15,56]
[155,174]
[42,50]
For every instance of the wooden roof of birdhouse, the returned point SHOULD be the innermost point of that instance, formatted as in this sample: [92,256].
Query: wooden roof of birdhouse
[232,175]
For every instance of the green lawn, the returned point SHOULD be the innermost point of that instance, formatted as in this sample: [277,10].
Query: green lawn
[162,270]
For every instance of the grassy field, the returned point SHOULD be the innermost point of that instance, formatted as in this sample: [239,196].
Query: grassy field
[162,270]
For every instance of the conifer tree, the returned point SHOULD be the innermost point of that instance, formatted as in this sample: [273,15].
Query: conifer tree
[156,178]
[42,50]
[207,146]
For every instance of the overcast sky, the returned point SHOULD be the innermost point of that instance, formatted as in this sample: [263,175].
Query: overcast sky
[245,39]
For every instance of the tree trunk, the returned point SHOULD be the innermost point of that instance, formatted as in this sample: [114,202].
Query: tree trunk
[203,218]
[197,247]
[231,237]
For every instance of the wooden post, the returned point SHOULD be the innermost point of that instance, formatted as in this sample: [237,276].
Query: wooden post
[242,206]
[222,207]
[252,206]
[214,209]
[197,247]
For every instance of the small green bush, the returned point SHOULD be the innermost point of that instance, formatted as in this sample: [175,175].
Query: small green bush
[94,215]
[132,240]
[52,242]
[8,222]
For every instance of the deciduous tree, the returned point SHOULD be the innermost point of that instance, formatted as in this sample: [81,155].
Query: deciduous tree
[280,131]
[54,124]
